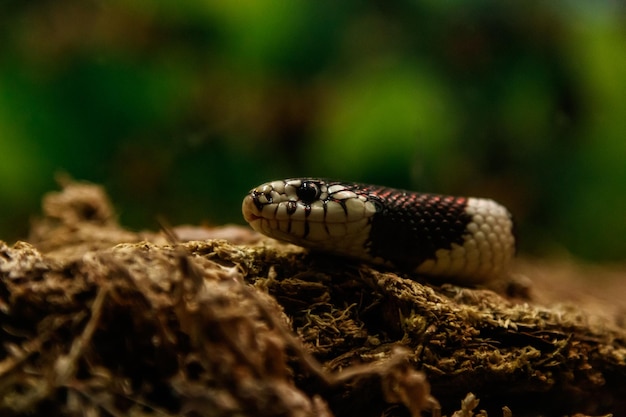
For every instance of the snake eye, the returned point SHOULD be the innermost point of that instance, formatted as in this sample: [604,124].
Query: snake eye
[308,192]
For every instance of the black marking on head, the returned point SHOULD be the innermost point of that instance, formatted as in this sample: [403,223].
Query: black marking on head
[408,228]
[308,192]
[292,206]
[255,199]
[325,206]
[342,203]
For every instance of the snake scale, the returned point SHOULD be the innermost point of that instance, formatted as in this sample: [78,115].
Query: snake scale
[464,238]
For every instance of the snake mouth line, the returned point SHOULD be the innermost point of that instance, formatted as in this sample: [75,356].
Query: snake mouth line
[250,217]
[252,213]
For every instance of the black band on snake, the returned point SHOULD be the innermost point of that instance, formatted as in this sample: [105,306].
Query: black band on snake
[465,238]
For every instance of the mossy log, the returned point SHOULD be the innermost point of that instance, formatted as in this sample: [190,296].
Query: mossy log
[98,320]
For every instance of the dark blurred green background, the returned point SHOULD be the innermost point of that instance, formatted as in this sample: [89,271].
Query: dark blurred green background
[179,108]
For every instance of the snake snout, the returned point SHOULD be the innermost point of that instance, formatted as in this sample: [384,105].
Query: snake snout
[251,208]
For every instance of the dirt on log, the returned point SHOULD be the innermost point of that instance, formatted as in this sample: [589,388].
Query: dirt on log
[97,320]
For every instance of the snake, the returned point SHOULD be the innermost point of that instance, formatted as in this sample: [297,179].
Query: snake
[467,239]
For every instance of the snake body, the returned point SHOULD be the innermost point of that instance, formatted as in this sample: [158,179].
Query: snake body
[465,238]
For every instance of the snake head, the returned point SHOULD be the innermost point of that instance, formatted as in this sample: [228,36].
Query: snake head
[310,212]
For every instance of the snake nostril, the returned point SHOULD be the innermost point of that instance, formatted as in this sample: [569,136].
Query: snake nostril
[308,192]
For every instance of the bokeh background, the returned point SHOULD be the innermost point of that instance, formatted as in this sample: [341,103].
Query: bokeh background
[179,108]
